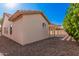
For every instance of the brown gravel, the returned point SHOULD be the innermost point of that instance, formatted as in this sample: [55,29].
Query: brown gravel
[46,47]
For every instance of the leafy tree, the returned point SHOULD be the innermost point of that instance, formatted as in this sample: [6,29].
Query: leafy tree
[71,21]
[0,20]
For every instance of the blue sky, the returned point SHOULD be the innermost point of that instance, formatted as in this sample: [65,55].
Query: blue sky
[54,11]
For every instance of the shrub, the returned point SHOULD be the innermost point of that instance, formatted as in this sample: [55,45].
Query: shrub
[71,21]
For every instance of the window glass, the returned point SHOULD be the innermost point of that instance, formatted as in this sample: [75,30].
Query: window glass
[43,25]
[10,29]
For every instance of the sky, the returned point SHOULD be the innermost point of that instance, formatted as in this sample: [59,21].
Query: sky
[55,12]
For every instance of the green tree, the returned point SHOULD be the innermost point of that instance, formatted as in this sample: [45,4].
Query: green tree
[0,20]
[71,21]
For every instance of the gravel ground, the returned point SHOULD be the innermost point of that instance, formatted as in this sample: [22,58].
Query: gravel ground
[46,47]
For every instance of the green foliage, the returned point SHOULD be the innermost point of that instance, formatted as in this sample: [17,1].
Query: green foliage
[71,21]
[55,26]
[0,20]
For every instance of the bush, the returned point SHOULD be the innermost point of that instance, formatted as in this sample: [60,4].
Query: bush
[71,21]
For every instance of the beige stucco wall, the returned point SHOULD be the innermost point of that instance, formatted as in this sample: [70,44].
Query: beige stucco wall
[28,29]
[6,24]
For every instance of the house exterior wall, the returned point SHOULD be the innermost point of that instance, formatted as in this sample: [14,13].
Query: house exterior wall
[6,27]
[29,29]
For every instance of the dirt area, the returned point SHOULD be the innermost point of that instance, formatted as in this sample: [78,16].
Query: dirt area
[46,47]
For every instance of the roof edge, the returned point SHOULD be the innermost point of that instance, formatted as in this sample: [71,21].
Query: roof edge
[21,12]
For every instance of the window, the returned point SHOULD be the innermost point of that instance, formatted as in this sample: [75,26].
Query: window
[10,29]
[43,25]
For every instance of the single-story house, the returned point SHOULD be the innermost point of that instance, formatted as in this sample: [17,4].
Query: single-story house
[25,26]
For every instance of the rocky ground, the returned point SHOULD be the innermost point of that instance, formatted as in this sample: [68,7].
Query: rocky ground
[46,47]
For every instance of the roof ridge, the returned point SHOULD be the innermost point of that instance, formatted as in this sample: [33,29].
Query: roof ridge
[26,12]
[7,14]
